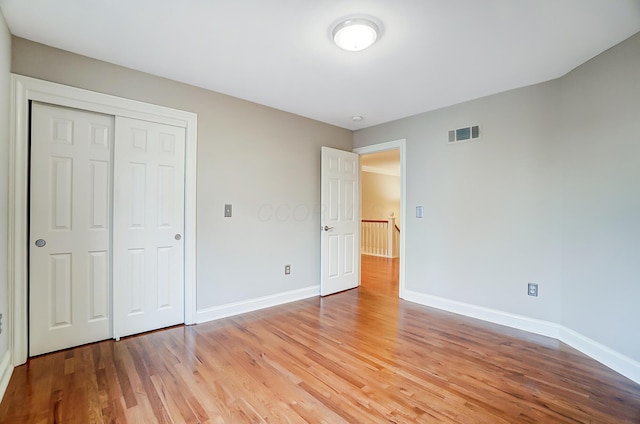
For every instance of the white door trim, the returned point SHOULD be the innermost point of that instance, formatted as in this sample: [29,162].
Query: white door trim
[381,147]
[25,89]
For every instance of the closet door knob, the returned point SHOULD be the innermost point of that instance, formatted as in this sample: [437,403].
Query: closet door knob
[41,243]
[177,237]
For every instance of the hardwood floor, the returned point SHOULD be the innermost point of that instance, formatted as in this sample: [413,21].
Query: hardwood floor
[380,275]
[360,356]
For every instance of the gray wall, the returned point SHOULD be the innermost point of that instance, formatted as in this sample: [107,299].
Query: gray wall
[549,195]
[5,63]
[600,168]
[263,161]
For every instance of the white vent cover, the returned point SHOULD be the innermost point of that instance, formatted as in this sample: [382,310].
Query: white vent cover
[464,134]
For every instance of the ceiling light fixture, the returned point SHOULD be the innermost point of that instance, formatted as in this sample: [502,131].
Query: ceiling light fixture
[355,34]
[357,118]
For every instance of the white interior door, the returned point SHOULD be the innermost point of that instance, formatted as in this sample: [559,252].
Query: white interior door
[148,226]
[69,240]
[340,221]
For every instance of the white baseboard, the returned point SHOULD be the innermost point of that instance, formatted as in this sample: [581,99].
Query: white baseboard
[236,308]
[6,369]
[378,256]
[531,325]
[601,353]
[606,356]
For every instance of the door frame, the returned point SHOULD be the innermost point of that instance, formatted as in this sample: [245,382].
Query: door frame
[25,89]
[400,144]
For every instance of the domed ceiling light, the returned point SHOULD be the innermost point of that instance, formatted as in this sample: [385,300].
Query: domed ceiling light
[355,34]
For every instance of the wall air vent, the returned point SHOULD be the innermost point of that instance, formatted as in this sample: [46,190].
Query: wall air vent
[464,134]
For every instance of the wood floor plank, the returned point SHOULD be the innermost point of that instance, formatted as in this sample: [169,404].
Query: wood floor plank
[361,356]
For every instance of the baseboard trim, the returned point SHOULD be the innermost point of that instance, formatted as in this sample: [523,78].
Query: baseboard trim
[250,305]
[6,369]
[520,322]
[379,256]
[606,356]
[601,353]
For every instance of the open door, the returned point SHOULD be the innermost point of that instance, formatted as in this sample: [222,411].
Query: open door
[340,221]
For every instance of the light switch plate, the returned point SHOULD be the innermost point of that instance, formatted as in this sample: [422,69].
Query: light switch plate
[227,211]
[419,212]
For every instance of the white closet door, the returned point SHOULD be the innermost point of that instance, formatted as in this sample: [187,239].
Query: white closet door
[69,242]
[148,269]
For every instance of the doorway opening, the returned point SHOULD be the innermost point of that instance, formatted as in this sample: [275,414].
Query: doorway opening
[380,221]
[382,203]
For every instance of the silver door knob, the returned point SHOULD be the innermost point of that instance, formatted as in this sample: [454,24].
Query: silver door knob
[40,243]
[327,228]
[177,237]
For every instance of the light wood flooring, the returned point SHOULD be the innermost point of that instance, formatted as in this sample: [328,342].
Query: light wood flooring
[380,275]
[361,356]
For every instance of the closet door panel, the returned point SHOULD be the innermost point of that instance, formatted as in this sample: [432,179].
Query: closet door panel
[149,225]
[69,228]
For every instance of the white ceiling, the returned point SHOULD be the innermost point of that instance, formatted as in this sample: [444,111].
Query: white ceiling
[432,53]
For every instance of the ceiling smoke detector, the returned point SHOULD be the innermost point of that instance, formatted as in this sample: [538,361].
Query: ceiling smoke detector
[355,34]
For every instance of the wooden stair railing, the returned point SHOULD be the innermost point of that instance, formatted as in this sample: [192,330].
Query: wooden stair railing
[380,237]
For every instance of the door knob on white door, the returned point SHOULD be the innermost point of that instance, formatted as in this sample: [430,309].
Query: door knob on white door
[327,228]
[178,237]
[41,243]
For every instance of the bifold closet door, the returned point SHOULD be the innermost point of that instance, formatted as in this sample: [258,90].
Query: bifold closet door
[148,259]
[69,239]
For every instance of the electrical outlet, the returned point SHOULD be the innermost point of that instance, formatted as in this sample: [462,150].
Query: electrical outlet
[287,269]
[532,289]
